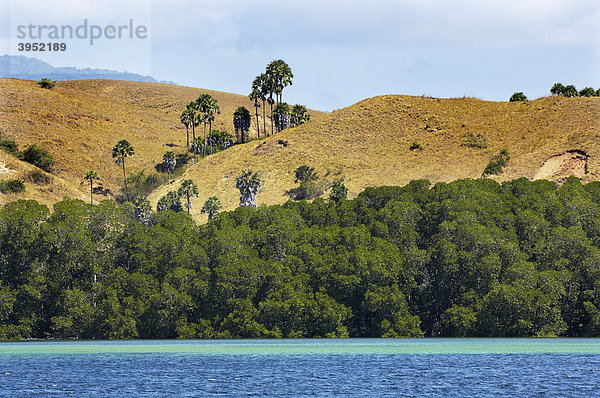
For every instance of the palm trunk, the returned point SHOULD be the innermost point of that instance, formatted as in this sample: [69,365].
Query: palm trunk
[187,134]
[125,178]
[257,123]
[91,192]
[209,133]
[264,118]
[271,105]
[204,147]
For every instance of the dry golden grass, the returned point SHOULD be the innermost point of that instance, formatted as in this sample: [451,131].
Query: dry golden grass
[367,143]
[80,121]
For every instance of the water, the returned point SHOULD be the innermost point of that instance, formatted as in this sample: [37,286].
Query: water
[291,368]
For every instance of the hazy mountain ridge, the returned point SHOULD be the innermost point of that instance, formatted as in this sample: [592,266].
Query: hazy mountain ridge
[21,67]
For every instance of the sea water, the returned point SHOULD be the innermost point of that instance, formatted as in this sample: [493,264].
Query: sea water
[292,368]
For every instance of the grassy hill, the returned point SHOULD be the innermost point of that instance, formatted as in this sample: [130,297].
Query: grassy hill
[367,144]
[80,121]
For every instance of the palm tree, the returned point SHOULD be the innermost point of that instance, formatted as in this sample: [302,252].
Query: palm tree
[187,118]
[120,151]
[281,75]
[212,207]
[249,184]
[241,121]
[262,84]
[300,115]
[282,116]
[90,176]
[188,190]
[207,107]
[169,162]
[255,96]
[271,102]
[171,201]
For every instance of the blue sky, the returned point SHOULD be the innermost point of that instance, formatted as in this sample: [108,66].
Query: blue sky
[340,51]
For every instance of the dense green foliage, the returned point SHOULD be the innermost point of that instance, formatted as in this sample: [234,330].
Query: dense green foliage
[14,185]
[38,157]
[571,91]
[468,258]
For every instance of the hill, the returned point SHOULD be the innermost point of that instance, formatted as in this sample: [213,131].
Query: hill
[20,67]
[80,121]
[368,144]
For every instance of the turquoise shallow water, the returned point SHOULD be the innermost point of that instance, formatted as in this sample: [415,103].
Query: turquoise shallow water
[345,367]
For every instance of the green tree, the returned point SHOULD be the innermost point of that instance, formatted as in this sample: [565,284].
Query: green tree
[241,122]
[171,201]
[211,207]
[338,190]
[122,150]
[305,173]
[261,86]
[47,83]
[187,119]
[557,89]
[570,91]
[300,115]
[281,75]
[90,176]
[188,190]
[587,92]
[169,162]
[282,116]
[517,97]
[256,96]
[249,184]
[208,108]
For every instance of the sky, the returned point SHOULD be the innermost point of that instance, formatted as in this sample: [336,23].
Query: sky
[339,51]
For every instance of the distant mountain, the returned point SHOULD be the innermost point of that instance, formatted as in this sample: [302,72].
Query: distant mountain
[21,67]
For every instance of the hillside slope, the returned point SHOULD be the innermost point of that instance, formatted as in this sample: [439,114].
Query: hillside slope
[368,145]
[80,121]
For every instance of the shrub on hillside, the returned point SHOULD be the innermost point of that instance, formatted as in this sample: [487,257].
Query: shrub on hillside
[38,177]
[47,83]
[8,145]
[38,157]
[416,145]
[517,97]
[12,186]
[497,163]
[475,141]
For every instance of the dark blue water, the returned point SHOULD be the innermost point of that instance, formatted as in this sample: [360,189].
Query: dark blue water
[189,373]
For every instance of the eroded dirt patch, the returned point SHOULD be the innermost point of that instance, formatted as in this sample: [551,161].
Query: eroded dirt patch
[559,167]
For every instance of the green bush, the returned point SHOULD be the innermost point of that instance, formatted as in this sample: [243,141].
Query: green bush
[517,97]
[497,163]
[475,141]
[38,157]
[587,92]
[8,145]
[416,145]
[47,83]
[305,174]
[12,186]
